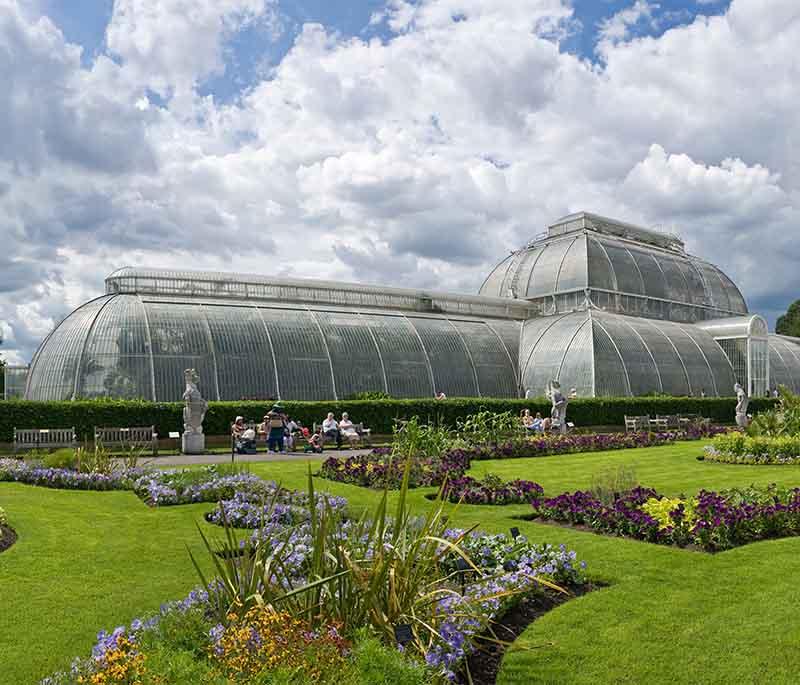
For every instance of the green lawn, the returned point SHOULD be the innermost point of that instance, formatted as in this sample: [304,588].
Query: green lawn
[89,560]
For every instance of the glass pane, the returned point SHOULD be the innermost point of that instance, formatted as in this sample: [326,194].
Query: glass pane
[574,271]
[720,366]
[654,284]
[180,341]
[697,288]
[719,294]
[356,364]
[697,369]
[576,370]
[675,284]
[493,284]
[407,370]
[497,376]
[304,371]
[543,279]
[673,375]
[453,372]
[545,363]
[53,371]
[243,353]
[518,282]
[642,374]
[628,278]
[601,274]
[609,373]
[508,332]
[117,358]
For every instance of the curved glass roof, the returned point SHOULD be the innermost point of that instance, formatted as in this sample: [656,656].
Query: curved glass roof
[190,284]
[135,346]
[601,353]
[784,362]
[669,279]
[752,325]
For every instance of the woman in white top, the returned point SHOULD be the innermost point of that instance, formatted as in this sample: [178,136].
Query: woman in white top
[348,429]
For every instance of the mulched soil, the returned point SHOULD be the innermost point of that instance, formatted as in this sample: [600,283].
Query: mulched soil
[484,662]
[8,536]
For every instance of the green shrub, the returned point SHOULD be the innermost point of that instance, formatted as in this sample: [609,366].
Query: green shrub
[762,449]
[783,419]
[379,415]
[61,459]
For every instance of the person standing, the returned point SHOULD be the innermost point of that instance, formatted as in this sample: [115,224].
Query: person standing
[277,426]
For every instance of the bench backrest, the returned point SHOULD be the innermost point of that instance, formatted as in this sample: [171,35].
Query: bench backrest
[672,420]
[33,438]
[135,435]
[637,422]
[358,426]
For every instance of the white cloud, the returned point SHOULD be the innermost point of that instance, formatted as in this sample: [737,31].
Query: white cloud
[172,45]
[618,26]
[417,160]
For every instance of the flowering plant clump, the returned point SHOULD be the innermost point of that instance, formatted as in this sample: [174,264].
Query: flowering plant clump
[248,509]
[35,474]
[739,448]
[491,490]
[379,469]
[264,639]
[3,517]
[712,520]
[547,444]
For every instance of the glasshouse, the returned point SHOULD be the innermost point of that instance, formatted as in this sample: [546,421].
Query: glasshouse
[605,307]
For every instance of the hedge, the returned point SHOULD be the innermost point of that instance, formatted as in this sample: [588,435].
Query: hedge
[379,415]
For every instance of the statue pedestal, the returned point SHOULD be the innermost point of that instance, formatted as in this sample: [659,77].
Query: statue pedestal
[193,443]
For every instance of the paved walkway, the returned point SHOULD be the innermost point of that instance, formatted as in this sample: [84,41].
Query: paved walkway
[225,457]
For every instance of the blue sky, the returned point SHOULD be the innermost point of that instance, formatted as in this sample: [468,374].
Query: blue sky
[84,22]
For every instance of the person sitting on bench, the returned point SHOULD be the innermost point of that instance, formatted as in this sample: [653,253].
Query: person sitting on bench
[330,429]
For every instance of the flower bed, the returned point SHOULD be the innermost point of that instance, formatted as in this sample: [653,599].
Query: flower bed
[20,471]
[378,469]
[491,490]
[712,521]
[553,444]
[218,640]
[739,448]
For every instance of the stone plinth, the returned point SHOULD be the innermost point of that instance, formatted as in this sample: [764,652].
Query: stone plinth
[193,443]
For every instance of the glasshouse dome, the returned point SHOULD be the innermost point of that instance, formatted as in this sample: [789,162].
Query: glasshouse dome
[605,307]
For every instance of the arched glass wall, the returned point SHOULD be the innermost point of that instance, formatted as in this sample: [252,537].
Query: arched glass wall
[599,353]
[134,346]
[784,362]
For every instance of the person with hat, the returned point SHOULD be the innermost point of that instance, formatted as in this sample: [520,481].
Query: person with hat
[274,426]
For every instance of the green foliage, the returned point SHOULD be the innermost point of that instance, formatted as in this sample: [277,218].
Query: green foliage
[379,415]
[782,420]
[372,663]
[763,449]
[789,323]
[413,439]
[3,517]
[370,395]
[61,459]
[489,426]
[612,481]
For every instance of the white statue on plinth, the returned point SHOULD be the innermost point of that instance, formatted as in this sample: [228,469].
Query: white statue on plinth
[194,411]
[742,401]
[558,412]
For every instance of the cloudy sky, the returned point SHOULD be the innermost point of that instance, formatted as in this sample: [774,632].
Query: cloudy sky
[405,143]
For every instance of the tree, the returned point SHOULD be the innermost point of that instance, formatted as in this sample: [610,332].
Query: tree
[789,323]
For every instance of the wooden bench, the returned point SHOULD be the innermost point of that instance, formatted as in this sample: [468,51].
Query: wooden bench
[126,438]
[637,423]
[669,420]
[44,438]
[364,434]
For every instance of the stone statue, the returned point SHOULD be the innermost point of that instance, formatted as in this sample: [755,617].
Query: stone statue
[742,400]
[194,411]
[558,412]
